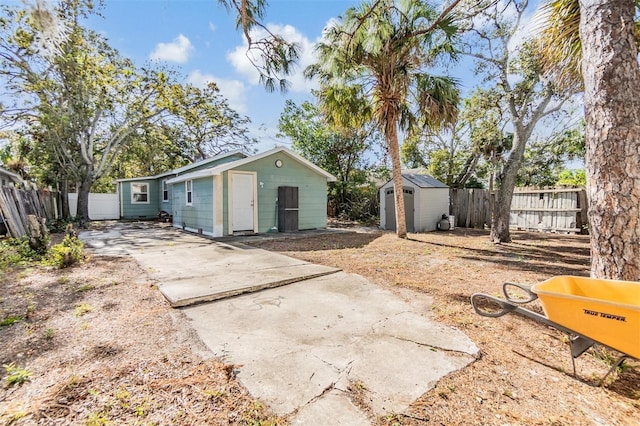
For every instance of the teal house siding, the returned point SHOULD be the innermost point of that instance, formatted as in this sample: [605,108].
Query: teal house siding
[312,191]
[197,217]
[131,210]
[178,201]
[256,180]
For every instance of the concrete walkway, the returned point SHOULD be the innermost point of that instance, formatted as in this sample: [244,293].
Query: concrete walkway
[301,347]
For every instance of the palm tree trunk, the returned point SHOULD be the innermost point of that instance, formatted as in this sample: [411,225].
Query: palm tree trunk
[394,150]
[612,107]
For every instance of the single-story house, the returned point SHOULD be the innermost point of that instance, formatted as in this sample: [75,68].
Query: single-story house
[8,177]
[234,193]
[426,199]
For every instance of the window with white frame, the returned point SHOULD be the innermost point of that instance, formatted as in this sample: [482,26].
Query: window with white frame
[165,191]
[188,185]
[139,193]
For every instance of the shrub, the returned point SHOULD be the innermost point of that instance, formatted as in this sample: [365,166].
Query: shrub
[68,252]
[16,251]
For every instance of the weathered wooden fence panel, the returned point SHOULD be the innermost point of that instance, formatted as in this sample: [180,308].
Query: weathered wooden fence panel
[470,207]
[548,209]
[17,204]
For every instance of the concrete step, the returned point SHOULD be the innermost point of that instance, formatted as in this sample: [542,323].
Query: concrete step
[194,290]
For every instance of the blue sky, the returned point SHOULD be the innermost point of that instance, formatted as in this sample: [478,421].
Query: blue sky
[198,38]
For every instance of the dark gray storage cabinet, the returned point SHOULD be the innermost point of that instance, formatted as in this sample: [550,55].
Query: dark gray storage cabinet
[288,208]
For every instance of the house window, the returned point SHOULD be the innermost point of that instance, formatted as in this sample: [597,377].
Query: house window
[139,193]
[189,190]
[165,191]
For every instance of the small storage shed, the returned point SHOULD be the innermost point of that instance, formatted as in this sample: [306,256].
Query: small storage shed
[426,199]
[274,190]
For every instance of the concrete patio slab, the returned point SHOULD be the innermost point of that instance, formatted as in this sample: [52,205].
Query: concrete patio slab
[295,343]
[334,408]
[297,347]
[191,269]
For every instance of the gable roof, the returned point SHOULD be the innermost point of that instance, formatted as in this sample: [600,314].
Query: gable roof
[217,170]
[188,167]
[422,180]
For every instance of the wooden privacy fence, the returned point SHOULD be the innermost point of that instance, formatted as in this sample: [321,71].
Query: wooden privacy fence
[16,205]
[542,209]
[470,207]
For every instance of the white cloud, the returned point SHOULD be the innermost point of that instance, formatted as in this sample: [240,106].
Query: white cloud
[212,26]
[234,90]
[178,50]
[238,57]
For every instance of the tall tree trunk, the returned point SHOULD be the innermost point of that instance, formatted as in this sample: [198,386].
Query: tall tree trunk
[394,150]
[64,199]
[612,108]
[507,181]
[84,188]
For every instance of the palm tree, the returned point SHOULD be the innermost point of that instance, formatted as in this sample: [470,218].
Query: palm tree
[560,41]
[380,53]
[609,63]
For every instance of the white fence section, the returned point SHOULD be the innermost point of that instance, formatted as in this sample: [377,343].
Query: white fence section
[101,206]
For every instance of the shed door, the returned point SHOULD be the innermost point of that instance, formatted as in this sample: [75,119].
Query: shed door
[390,209]
[242,186]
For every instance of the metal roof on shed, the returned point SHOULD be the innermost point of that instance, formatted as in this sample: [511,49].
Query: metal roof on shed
[421,181]
[424,181]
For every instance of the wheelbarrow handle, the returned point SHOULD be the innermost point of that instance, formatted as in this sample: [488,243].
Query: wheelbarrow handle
[489,306]
[531,296]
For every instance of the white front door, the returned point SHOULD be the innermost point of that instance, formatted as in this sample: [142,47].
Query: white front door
[242,193]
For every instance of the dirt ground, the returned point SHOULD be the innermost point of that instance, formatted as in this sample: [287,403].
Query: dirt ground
[103,346]
[524,375]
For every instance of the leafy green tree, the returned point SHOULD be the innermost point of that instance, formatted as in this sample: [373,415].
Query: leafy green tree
[572,178]
[545,159]
[525,96]
[340,151]
[379,54]
[206,125]
[446,154]
[85,99]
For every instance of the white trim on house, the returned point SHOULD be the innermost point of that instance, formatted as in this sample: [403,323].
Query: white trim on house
[218,170]
[148,193]
[165,190]
[218,207]
[188,192]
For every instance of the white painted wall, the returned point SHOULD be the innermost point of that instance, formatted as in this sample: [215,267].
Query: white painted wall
[101,206]
[430,205]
